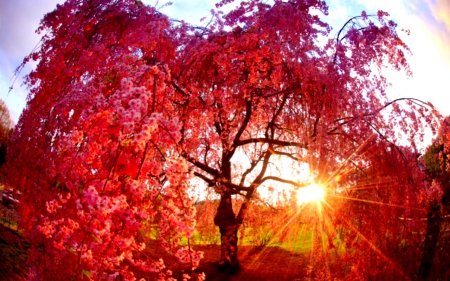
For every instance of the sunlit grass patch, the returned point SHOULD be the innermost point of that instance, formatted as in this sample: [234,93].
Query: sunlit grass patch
[8,223]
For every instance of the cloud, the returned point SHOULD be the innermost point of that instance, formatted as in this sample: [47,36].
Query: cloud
[438,24]
[441,11]
[429,42]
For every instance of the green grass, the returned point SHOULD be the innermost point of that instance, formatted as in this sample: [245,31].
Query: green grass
[301,243]
[6,221]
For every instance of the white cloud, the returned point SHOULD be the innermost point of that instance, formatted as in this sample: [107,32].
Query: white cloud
[429,42]
[441,11]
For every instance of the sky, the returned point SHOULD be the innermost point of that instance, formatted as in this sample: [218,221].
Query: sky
[427,20]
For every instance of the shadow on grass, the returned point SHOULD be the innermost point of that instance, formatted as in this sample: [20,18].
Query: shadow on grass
[268,263]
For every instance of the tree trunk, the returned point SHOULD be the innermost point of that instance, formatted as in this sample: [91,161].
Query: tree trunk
[228,225]
[431,239]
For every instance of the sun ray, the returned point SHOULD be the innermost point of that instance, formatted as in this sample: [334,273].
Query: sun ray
[378,203]
[349,158]
[372,183]
[277,234]
[324,238]
[365,239]
[325,243]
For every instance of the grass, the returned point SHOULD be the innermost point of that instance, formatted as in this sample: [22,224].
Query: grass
[302,243]
[8,224]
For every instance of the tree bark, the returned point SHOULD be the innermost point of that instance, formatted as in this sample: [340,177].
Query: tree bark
[431,239]
[228,225]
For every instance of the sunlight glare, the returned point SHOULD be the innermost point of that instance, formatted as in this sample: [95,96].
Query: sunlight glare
[313,192]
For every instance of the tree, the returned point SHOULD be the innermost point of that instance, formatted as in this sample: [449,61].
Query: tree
[268,88]
[126,106]
[95,151]
[6,127]
[379,212]
[437,169]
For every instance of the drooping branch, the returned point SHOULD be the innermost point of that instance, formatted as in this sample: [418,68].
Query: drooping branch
[339,40]
[279,179]
[233,187]
[272,142]
[345,120]
[290,155]
[209,181]
[258,180]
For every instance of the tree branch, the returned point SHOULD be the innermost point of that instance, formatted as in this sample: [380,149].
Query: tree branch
[348,119]
[199,165]
[271,142]
[286,154]
[209,181]
[278,179]
[248,114]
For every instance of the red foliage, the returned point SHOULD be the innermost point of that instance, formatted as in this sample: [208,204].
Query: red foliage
[95,151]
[126,106]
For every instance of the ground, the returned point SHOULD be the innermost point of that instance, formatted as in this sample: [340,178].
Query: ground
[257,263]
[268,263]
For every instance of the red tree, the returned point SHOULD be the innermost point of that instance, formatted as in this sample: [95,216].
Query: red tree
[378,214]
[95,151]
[437,197]
[125,106]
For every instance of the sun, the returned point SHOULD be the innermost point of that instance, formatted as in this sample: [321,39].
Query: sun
[311,193]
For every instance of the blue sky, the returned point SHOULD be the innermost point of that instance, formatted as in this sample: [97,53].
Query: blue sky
[428,21]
